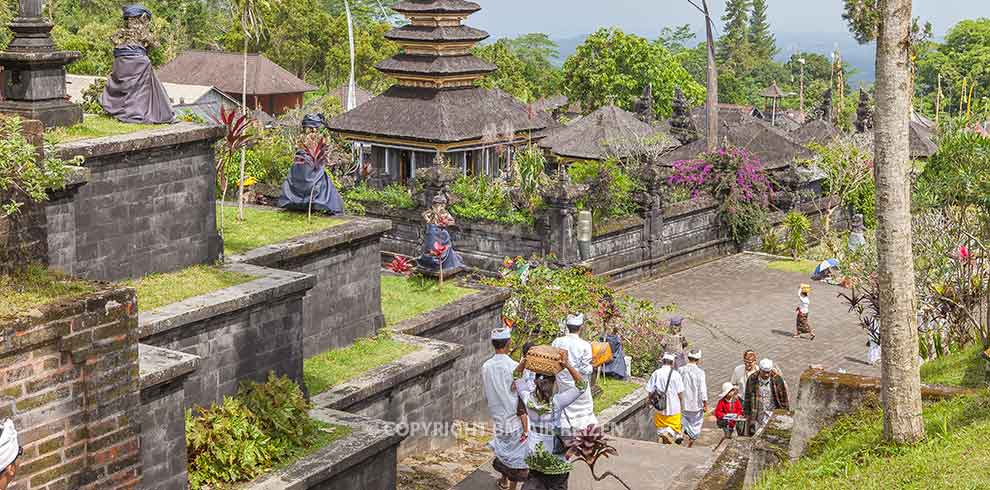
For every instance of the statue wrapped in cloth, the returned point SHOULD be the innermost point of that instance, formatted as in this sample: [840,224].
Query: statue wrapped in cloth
[308,182]
[133,93]
[438,240]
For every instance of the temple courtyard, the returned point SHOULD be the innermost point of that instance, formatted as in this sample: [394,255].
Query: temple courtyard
[738,303]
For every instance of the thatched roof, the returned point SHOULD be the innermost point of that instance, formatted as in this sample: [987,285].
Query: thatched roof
[771,145]
[434,34]
[438,116]
[414,64]
[550,104]
[361,96]
[435,7]
[816,131]
[599,135]
[922,141]
[773,92]
[225,71]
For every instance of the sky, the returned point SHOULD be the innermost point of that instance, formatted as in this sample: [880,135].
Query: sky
[570,18]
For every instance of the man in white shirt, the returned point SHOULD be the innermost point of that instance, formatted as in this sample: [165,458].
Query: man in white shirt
[580,414]
[509,442]
[744,370]
[695,396]
[667,385]
[10,450]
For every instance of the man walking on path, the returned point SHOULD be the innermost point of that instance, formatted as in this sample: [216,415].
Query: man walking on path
[509,442]
[666,390]
[580,414]
[765,392]
[695,397]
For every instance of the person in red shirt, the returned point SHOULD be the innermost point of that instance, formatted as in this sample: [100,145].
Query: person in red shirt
[729,410]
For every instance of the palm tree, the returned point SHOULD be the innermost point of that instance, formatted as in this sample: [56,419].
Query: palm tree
[251,13]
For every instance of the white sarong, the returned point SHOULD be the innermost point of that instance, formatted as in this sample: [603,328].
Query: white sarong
[692,422]
[510,450]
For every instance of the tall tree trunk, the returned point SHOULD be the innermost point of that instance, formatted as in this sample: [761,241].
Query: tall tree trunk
[240,183]
[711,103]
[901,382]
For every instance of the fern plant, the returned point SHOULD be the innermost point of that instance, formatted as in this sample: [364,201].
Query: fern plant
[797,227]
[225,445]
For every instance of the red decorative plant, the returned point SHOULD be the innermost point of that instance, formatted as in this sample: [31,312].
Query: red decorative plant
[439,250]
[237,139]
[400,265]
[588,445]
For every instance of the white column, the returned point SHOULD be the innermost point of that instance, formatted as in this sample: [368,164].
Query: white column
[413,164]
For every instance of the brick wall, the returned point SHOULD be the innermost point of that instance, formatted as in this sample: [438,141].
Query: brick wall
[467,322]
[71,386]
[345,304]
[149,206]
[240,333]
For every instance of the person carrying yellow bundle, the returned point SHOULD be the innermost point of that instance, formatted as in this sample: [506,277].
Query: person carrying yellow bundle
[803,326]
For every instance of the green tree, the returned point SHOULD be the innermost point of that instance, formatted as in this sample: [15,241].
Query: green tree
[510,76]
[733,46]
[965,55]
[537,52]
[613,67]
[677,39]
[761,39]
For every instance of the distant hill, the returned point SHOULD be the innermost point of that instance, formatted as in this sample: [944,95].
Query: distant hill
[861,57]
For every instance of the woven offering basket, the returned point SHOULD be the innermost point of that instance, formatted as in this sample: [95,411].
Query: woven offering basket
[544,359]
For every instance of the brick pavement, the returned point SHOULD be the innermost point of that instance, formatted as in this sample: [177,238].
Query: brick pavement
[738,303]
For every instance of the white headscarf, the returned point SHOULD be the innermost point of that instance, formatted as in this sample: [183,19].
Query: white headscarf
[575,320]
[8,444]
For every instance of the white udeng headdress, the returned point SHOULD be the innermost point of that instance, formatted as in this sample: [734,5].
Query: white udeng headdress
[575,320]
[8,444]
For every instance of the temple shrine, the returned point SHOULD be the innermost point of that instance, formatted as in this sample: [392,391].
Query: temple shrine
[435,108]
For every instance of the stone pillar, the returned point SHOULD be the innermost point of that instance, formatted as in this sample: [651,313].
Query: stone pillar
[561,198]
[652,211]
[33,77]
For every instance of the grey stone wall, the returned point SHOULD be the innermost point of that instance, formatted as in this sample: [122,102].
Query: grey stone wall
[345,302]
[630,417]
[241,333]
[366,459]
[163,421]
[149,206]
[468,323]
[417,391]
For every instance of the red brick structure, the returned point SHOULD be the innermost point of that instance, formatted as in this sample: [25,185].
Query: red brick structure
[70,373]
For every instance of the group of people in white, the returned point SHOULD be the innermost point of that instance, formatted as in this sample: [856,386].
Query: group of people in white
[535,413]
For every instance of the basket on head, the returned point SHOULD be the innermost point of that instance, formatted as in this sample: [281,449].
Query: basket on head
[544,359]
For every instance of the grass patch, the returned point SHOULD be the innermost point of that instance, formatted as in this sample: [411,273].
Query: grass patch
[851,453]
[800,266]
[964,368]
[36,286]
[265,227]
[157,290]
[329,433]
[324,371]
[613,391]
[403,298]
[94,127]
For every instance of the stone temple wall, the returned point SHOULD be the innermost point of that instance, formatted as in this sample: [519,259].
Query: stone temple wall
[149,205]
[345,303]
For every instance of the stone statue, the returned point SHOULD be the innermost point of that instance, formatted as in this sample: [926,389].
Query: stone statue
[644,105]
[133,93]
[437,238]
[682,125]
[308,186]
[824,111]
[864,113]
[857,237]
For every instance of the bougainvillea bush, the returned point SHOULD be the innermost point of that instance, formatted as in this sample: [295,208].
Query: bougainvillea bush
[543,295]
[739,183]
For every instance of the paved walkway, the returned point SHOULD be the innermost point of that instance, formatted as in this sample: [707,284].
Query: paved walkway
[642,465]
[738,303]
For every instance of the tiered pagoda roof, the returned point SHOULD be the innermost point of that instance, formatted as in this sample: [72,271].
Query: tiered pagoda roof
[436,102]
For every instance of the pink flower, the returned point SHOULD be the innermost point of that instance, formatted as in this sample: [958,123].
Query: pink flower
[964,255]
[439,250]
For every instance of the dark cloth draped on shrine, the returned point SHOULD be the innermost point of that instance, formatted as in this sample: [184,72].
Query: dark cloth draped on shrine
[135,11]
[308,179]
[134,94]
[617,366]
[450,259]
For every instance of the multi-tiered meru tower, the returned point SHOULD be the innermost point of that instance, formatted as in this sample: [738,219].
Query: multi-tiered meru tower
[435,105]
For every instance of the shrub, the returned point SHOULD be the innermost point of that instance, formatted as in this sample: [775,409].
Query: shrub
[265,425]
[22,175]
[225,445]
[91,97]
[610,192]
[797,227]
[392,196]
[281,411]
[483,199]
[641,329]
[192,117]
